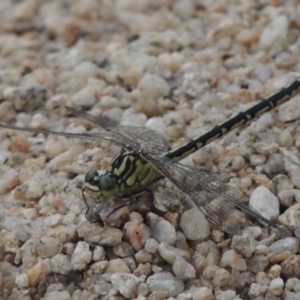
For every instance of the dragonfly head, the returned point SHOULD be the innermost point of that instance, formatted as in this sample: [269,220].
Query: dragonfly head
[100,185]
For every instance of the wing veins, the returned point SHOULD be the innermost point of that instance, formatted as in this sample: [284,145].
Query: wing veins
[202,191]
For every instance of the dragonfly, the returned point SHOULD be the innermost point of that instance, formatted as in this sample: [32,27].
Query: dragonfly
[145,159]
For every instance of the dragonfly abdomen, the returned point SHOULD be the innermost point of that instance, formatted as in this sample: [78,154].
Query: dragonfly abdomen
[279,97]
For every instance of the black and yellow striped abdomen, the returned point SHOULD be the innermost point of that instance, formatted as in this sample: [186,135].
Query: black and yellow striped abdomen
[281,96]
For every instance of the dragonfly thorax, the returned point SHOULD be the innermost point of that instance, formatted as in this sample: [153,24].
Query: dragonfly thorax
[128,174]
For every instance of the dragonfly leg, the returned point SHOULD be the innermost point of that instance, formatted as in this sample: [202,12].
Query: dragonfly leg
[133,199]
[120,206]
[91,215]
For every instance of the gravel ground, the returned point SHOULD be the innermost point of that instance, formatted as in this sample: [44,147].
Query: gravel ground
[179,67]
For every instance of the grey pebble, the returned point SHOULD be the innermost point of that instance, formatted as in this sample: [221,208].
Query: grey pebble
[95,235]
[257,263]
[122,249]
[48,247]
[126,284]
[165,282]
[286,244]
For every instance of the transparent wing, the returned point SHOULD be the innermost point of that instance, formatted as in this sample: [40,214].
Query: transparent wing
[124,136]
[212,197]
[101,121]
[107,136]
[153,141]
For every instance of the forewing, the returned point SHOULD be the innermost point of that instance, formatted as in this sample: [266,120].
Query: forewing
[103,135]
[102,121]
[149,140]
[124,136]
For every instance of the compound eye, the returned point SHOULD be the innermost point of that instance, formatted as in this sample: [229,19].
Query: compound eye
[106,183]
[90,176]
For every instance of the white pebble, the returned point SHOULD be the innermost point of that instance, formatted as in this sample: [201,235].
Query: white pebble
[60,264]
[153,87]
[202,293]
[194,225]
[293,284]
[22,281]
[182,269]
[99,267]
[57,295]
[142,290]
[170,253]
[157,124]
[39,121]
[265,149]
[228,295]
[231,163]
[138,119]
[75,209]
[99,253]
[275,32]
[9,241]
[85,97]
[234,260]
[151,245]
[53,220]
[276,286]
[34,188]
[264,202]
[108,102]
[288,112]
[221,278]
[165,282]
[81,256]
[295,177]
[287,244]
[291,217]
[143,256]
[68,248]
[56,146]
[263,122]
[162,230]
[29,213]
[262,278]
[69,218]
[257,160]
[275,271]
[117,266]
[257,289]
[86,69]
[285,139]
